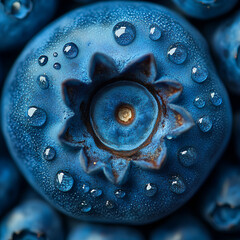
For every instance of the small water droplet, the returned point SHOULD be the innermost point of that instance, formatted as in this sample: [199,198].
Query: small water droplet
[216,98]
[177,53]
[36,117]
[57,66]
[124,33]
[199,102]
[155,32]
[64,181]
[109,204]
[199,74]
[19,9]
[70,50]
[238,57]
[177,185]
[187,156]
[85,207]
[49,153]
[85,188]
[43,81]
[96,192]
[150,189]
[42,60]
[204,123]
[55,54]
[119,193]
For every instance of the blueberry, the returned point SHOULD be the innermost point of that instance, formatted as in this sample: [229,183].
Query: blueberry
[10,184]
[119,115]
[236,131]
[33,219]
[183,226]
[220,205]
[205,9]
[93,231]
[21,19]
[226,46]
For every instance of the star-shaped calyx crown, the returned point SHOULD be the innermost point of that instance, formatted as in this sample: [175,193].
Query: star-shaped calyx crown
[122,117]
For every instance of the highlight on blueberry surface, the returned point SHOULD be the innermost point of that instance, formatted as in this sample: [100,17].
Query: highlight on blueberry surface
[121,115]
[205,9]
[21,19]
[221,204]
[226,46]
[103,232]
[32,219]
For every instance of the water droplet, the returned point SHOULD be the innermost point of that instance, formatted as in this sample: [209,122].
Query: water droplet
[199,74]
[57,66]
[204,123]
[177,53]
[43,81]
[150,190]
[85,207]
[20,9]
[49,153]
[70,50]
[177,185]
[124,33]
[55,54]
[216,98]
[36,117]
[96,192]
[238,56]
[85,188]
[64,181]
[155,32]
[120,193]
[42,60]
[199,102]
[187,156]
[109,204]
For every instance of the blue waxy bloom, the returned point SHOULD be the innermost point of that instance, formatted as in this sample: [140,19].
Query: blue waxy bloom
[205,9]
[31,220]
[121,115]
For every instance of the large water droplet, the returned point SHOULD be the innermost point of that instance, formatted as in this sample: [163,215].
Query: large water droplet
[124,33]
[199,74]
[216,99]
[19,9]
[205,123]
[43,81]
[36,117]
[57,66]
[177,185]
[70,50]
[155,32]
[177,53]
[187,156]
[85,207]
[64,181]
[199,102]
[109,204]
[85,188]
[42,60]
[150,190]
[120,193]
[49,153]
[96,192]
[238,57]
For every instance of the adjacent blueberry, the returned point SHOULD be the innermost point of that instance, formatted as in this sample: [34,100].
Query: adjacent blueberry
[33,219]
[205,9]
[21,19]
[119,116]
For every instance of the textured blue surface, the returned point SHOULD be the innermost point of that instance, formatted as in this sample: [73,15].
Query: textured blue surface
[31,220]
[205,9]
[84,176]
[20,20]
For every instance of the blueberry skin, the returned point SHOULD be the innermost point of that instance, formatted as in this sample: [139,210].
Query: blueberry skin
[51,130]
[10,183]
[20,20]
[237,133]
[103,232]
[182,226]
[225,43]
[221,202]
[205,9]
[32,219]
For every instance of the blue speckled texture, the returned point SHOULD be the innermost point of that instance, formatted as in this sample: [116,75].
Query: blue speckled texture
[91,29]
